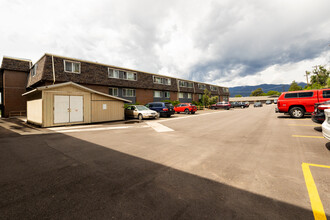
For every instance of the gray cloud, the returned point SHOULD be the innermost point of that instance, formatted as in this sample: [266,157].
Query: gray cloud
[216,42]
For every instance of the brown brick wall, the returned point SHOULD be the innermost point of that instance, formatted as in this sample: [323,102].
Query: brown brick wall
[14,87]
[173,96]
[195,97]
[144,96]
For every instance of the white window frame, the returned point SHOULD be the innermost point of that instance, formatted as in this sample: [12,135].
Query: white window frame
[168,80]
[190,83]
[161,80]
[34,70]
[201,86]
[167,96]
[160,94]
[113,89]
[213,88]
[200,96]
[181,94]
[113,72]
[130,95]
[189,96]
[72,62]
[134,75]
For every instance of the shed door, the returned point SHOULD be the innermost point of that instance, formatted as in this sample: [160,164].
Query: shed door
[61,109]
[76,109]
[68,109]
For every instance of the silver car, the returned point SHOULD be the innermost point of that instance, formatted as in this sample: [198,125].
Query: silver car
[140,112]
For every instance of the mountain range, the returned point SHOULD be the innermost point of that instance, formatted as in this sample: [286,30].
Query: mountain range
[246,90]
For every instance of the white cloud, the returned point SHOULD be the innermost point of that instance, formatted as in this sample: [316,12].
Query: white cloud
[223,42]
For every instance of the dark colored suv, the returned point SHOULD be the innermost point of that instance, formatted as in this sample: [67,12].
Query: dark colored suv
[165,109]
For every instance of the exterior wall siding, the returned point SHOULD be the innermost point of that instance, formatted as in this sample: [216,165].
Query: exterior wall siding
[14,86]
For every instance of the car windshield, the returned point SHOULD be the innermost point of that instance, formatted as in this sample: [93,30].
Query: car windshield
[168,105]
[141,108]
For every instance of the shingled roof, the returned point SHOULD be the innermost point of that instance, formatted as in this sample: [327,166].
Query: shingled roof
[16,64]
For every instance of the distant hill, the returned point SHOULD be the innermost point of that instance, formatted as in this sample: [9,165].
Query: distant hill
[246,90]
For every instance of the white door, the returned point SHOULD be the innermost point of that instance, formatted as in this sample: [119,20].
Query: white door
[61,109]
[76,109]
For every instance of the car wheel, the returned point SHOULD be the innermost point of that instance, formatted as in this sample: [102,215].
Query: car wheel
[186,111]
[297,112]
[192,112]
[140,117]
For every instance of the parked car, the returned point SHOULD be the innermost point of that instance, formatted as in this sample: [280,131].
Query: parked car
[298,103]
[247,104]
[275,101]
[268,102]
[237,105]
[257,104]
[186,108]
[318,114]
[223,105]
[140,112]
[326,124]
[164,109]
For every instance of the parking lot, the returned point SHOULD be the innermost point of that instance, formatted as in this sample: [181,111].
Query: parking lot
[242,163]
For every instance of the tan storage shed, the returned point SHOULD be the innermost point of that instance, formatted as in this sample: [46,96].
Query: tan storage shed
[69,103]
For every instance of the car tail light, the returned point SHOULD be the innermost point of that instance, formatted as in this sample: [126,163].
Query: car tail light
[322,107]
[165,109]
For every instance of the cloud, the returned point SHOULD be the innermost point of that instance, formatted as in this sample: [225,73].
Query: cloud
[221,42]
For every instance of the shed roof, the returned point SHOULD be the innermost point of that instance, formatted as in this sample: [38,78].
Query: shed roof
[75,85]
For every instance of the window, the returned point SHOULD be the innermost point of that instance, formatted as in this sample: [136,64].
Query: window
[200,96]
[326,93]
[201,86]
[167,94]
[185,84]
[167,81]
[305,94]
[161,80]
[131,76]
[157,94]
[189,95]
[213,88]
[129,92]
[291,95]
[112,73]
[71,67]
[181,95]
[113,91]
[34,70]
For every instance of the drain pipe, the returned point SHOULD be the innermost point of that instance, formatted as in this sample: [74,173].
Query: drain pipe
[53,69]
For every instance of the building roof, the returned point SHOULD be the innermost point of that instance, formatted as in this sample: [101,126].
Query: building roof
[122,68]
[16,64]
[75,85]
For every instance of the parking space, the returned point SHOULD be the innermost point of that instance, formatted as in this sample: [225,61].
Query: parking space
[241,163]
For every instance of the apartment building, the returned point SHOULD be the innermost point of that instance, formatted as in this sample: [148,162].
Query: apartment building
[136,86]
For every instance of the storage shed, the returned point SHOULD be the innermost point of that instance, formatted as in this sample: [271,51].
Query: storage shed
[70,103]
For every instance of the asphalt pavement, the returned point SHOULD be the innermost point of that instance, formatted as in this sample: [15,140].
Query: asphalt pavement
[236,164]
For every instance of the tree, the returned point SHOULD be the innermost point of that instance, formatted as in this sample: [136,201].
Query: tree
[257,92]
[294,86]
[213,100]
[206,97]
[238,95]
[271,92]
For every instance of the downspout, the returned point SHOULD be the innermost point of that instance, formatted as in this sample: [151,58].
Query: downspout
[53,69]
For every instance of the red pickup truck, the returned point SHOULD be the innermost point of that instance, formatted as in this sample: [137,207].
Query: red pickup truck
[297,103]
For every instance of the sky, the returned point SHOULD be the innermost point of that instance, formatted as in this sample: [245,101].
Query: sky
[223,42]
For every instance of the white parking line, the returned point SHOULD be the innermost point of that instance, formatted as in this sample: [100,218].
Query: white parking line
[159,127]
[170,119]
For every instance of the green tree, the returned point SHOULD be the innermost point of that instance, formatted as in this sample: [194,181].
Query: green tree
[213,100]
[238,95]
[257,92]
[271,92]
[294,86]
[320,75]
[206,97]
